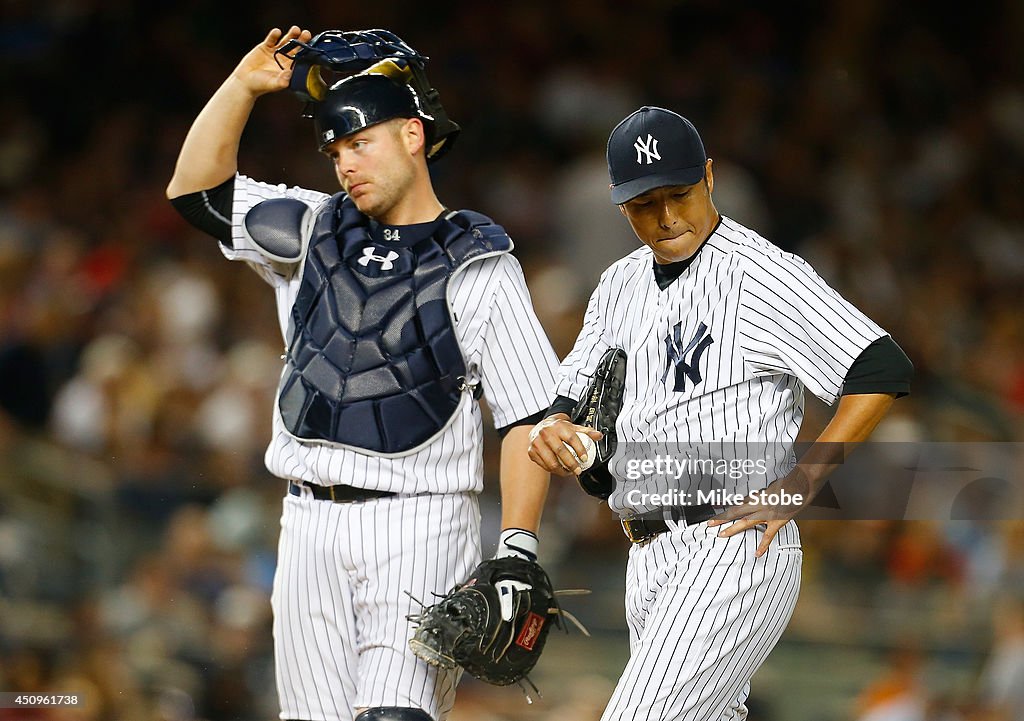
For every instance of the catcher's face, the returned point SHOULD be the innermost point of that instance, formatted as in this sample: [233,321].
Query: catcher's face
[674,220]
[377,165]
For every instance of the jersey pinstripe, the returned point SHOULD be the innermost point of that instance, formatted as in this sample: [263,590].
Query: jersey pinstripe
[497,329]
[703,615]
[775,328]
[719,358]
[340,600]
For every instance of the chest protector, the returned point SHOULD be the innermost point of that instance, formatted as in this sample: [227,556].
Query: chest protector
[373,361]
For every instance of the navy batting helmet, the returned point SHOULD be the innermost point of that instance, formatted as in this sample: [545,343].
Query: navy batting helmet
[360,101]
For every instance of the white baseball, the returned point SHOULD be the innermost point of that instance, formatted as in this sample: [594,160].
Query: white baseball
[589,446]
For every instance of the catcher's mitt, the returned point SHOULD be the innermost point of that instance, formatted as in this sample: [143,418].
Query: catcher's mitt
[465,627]
[598,408]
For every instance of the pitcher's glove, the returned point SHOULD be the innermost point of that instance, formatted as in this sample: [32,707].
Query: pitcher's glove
[598,408]
[465,628]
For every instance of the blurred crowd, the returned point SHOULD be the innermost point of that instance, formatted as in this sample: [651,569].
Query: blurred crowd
[884,142]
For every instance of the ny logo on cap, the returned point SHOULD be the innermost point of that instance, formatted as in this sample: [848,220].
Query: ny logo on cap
[646,148]
[386,261]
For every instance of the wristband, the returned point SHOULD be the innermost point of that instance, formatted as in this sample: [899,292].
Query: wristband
[518,542]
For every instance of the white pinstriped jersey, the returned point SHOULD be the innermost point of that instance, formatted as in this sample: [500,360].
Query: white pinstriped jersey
[498,331]
[724,353]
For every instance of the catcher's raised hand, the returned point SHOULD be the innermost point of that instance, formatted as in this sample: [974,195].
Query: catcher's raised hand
[551,439]
[260,71]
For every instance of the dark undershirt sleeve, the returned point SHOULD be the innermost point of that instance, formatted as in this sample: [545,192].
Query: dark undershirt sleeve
[882,367]
[209,210]
[528,421]
[561,404]
[537,417]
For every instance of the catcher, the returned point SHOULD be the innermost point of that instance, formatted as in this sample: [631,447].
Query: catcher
[387,304]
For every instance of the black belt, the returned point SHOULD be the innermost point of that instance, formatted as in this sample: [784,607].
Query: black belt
[640,530]
[338,494]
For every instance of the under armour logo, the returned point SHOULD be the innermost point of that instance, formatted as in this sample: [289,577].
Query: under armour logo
[677,355]
[646,148]
[392,234]
[386,261]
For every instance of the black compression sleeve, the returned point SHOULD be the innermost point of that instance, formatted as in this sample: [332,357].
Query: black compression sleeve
[540,415]
[528,421]
[561,404]
[882,367]
[209,210]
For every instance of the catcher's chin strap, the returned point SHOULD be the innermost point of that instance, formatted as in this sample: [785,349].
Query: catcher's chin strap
[556,611]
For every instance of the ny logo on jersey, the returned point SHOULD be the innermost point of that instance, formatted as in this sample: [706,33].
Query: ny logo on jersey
[677,355]
[646,148]
[386,261]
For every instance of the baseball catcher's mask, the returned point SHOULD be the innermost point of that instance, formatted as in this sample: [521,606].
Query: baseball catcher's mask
[344,54]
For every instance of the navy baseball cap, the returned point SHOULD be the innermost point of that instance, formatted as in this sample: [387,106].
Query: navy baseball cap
[651,148]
